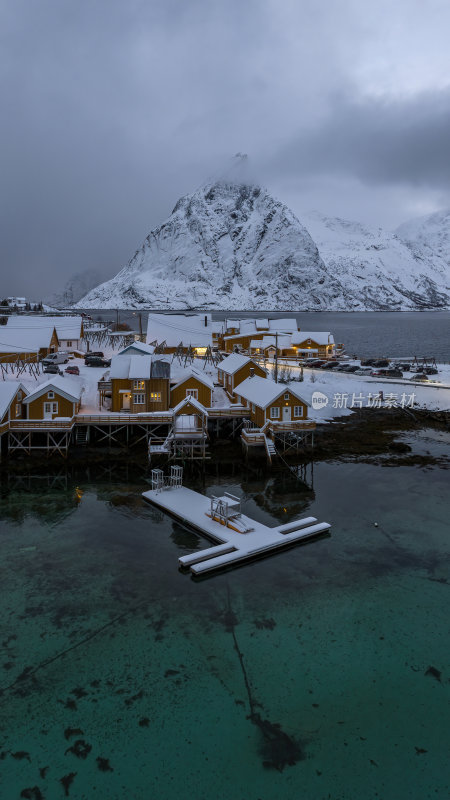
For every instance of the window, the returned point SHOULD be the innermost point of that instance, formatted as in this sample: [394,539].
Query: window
[192,393]
[155,397]
[68,344]
[138,386]
[286,396]
[253,407]
[54,408]
[18,409]
[47,408]
[274,412]
[298,411]
[138,399]
[50,395]
[19,396]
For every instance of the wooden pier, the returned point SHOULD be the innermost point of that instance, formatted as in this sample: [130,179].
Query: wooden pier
[220,519]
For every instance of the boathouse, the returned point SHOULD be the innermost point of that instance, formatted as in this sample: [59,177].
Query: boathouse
[192,383]
[234,369]
[139,384]
[270,401]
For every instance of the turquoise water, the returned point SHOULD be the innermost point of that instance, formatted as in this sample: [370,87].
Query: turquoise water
[108,652]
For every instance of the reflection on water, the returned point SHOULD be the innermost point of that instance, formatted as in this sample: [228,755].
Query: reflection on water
[318,672]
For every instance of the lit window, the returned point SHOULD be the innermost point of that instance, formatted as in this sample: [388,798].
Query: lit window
[155,397]
[50,395]
[18,409]
[138,385]
[139,399]
[298,411]
[274,412]
[192,393]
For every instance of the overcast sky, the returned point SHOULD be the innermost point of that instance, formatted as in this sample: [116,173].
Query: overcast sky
[112,109]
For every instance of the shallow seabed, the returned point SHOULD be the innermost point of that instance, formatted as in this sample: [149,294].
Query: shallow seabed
[321,672]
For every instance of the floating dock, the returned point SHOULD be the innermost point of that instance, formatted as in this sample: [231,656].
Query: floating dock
[220,519]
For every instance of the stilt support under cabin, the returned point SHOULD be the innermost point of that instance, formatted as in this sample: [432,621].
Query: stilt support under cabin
[239,538]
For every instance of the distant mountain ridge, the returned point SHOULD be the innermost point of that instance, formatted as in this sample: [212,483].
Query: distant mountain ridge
[232,246]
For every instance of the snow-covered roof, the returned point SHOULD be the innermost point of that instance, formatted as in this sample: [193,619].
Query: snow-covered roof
[284,342]
[248,327]
[135,367]
[66,327]
[64,386]
[232,363]
[24,340]
[194,373]
[320,337]
[130,367]
[138,348]
[8,390]
[263,391]
[187,329]
[190,401]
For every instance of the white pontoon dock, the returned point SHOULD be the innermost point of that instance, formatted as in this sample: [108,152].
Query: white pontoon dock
[220,519]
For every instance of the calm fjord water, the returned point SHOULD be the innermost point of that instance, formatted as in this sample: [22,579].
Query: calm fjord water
[110,653]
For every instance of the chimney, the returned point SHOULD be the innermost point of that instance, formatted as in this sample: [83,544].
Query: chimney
[206,321]
[252,372]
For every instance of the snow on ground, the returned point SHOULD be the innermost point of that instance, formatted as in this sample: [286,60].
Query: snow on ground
[341,392]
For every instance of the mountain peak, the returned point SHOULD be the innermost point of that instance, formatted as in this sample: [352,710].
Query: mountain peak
[231,245]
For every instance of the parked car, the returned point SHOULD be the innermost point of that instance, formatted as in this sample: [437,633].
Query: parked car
[364,371]
[56,358]
[420,376]
[430,371]
[96,361]
[394,373]
[53,369]
[381,362]
[378,373]
[405,367]
[368,362]
[94,354]
[350,368]
[72,369]
[329,364]
[315,362]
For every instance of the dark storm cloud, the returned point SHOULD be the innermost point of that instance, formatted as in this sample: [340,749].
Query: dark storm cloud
[112,109]
[377,142]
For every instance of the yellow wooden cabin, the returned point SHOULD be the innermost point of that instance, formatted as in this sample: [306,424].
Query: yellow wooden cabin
[139,384]
[234,369]
[192,383]
[54,399]
[272,402]
[12,394]
[313,344]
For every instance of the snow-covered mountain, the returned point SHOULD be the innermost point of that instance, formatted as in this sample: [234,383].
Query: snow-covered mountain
[379,269]
[232,246]
[429,234]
